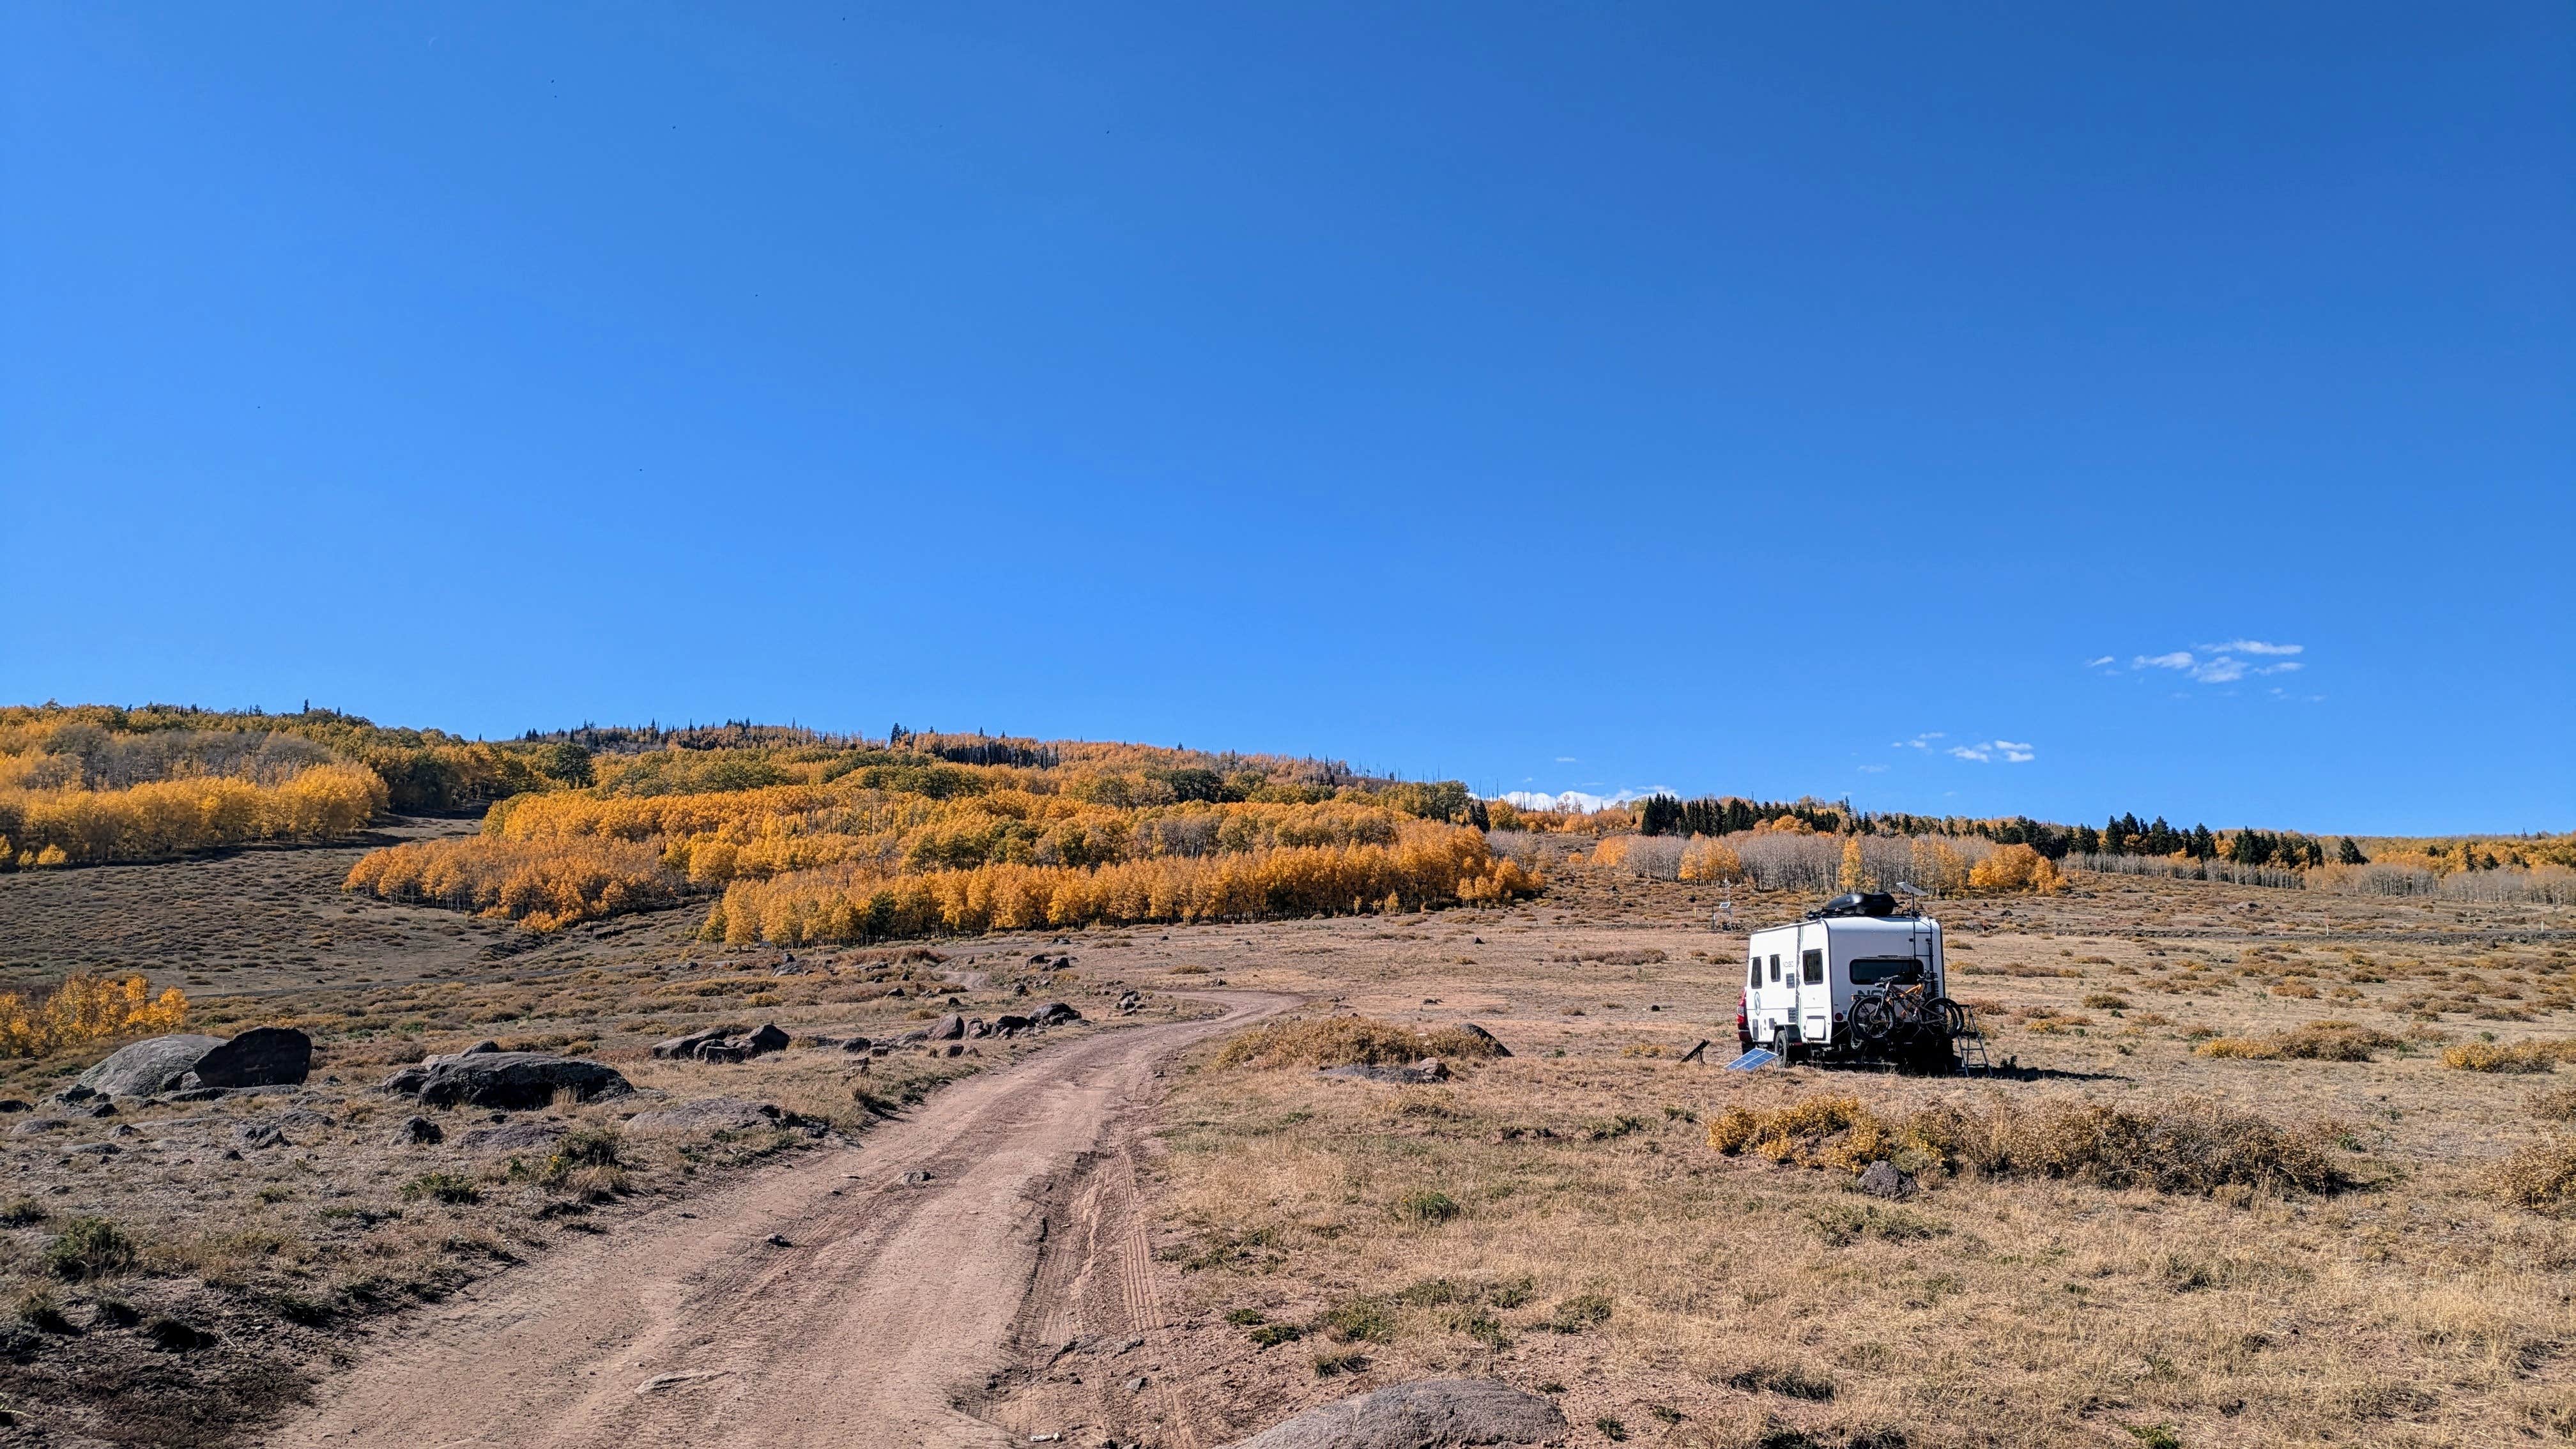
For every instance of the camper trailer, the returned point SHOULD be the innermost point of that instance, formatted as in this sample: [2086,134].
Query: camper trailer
[1853,980]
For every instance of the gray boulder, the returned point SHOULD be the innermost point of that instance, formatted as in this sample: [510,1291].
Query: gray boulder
[1057,1013]
[764,1041]
[1007,1025]
[948,1028]
[264,1056]
[147,1068]
[1427,1414]
[260,1134]
[858,1044]
[507,1080]
[418,1131]
[1885,1179]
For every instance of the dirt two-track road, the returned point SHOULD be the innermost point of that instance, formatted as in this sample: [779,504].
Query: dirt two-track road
[845,1300]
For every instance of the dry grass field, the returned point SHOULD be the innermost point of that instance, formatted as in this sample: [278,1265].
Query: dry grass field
[1556,1217]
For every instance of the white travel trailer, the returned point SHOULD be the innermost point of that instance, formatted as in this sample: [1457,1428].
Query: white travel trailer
[1854,979]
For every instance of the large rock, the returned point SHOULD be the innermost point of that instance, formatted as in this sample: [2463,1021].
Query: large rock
[948,1028]
[264,1056]
[1057,1013]
[149,1067]
[684,1047]
[1427,1414]
[507,1080]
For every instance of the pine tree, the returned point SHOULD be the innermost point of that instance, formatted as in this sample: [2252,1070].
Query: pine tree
[2348,853]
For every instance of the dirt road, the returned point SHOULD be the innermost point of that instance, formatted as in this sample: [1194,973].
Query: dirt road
[890,1302]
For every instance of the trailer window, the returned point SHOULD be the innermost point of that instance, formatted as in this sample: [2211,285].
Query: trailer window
[1814,963]
[1753,973]
[1775,970]
[1870,970]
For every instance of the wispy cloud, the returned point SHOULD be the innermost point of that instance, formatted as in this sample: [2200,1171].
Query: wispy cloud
[1919,742]
[2221,663]
[2098,663]
[1567,760]
[1984,752]
[1873,769]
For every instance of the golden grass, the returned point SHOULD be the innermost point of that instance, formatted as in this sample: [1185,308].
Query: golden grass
[1336,1041]
[2541,1178]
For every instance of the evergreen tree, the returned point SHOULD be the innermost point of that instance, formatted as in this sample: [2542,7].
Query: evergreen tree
[2348,853]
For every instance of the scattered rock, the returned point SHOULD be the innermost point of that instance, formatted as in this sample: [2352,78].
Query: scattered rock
[1057,1013]
[1487,1037]
[1885,1179]
[856,1044]
[418,1131]
[510,1080]
[948,1028]
[256,1135]
[778,1240]
[684,1047]
[99,1109]
[515,1137]
[37,1126]
[977,1028]
[1426,1414]
[74,1093]
[1136,1385]
[1008,1025]
[12,1104]
[916,1179]
[710,1114]
[95,1149]
[1130,1001]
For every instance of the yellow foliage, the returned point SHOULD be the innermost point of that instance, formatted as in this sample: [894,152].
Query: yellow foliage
[1709,860]
[1854,873]
[544,885]
[2016,868]
[88,1008]
[1428,865]
[1338,1041]
[1613,850]
[166,817]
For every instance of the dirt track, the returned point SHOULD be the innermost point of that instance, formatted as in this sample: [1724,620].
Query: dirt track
[888,1307]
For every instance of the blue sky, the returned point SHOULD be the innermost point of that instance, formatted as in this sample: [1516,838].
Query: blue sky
[1981,408]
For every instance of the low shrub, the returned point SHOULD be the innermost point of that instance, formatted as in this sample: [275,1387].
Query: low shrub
[2541,1178]
[2526,1056]
[2556,1105]
[1333,1365]
[446,1187]
[1582,1311]
[89,1247]
[1359,1320]
[2317,1041]
[2190,1145]
[43,1312]
[1426,1206]
[1335,1041]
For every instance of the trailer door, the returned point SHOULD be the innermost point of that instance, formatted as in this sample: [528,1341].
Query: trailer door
[1815,989]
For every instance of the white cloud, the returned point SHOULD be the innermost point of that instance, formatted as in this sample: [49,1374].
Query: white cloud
[1919,742]
[1873,769]
[1582,800]
[2220,664]
[2098,663]
[1984,752]
[1567,760]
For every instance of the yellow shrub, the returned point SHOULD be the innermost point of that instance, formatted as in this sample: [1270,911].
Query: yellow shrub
[167,817]
[2529,1056]
[88,1008]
